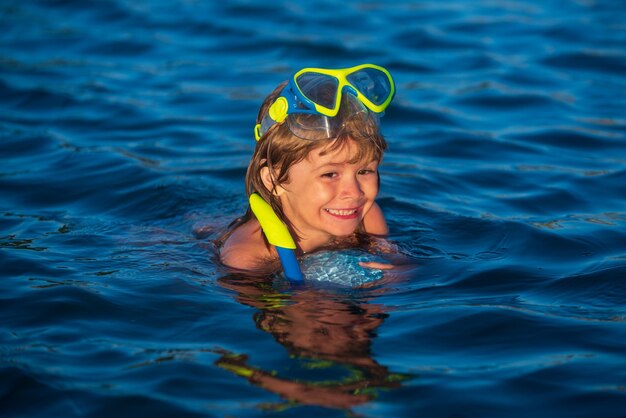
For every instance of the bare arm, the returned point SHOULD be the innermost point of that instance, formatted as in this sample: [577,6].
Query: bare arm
[374,221]
[245,248]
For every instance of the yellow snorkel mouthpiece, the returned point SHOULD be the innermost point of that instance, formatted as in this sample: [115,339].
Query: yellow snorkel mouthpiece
[275,230]
[277,235]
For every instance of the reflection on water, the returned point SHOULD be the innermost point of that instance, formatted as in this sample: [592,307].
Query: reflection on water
[321,331]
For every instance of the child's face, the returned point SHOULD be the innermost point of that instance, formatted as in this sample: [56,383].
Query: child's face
[327,196]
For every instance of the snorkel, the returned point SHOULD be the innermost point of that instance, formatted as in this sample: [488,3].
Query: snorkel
[277,235]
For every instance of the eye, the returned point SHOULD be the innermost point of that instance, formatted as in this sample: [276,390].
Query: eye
[330,175]
[367,171]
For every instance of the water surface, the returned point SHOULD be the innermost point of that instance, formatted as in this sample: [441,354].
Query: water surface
[125,133]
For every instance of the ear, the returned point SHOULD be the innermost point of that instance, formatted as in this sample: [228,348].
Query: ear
[268,182]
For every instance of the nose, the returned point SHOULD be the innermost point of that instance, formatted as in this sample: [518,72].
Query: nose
[351,188]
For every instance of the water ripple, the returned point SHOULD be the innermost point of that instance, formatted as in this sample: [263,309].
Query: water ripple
[125,134]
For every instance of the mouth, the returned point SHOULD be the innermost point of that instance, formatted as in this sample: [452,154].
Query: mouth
[344,213]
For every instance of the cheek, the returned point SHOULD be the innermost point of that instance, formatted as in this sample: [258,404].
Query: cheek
[370,187]
[319,192]
[309,197]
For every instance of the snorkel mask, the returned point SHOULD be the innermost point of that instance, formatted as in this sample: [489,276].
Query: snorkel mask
[315,104]
[313,97]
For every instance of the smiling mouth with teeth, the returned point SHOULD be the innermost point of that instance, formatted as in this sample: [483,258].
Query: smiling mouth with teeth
[343,213]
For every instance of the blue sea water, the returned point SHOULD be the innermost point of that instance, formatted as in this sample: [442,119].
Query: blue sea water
[125,132]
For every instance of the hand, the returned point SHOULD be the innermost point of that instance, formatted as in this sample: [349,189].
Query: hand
[376,265]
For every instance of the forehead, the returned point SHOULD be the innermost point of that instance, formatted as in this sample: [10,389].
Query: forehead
[345,152]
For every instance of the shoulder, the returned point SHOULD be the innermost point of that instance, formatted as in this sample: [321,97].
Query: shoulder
[245,248]
[374,221]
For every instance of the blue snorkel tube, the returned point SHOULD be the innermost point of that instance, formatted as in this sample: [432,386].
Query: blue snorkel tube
[277,235]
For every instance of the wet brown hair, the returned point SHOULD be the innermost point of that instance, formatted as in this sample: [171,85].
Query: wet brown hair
[279,149]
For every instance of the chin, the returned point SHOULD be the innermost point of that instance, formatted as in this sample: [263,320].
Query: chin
[343,232]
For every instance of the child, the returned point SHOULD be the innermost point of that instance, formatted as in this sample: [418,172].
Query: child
[316,163]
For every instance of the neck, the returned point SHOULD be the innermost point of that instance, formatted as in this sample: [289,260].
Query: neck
[307,244]
[310,245]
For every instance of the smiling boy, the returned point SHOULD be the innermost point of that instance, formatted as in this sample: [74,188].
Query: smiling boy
[316,162]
